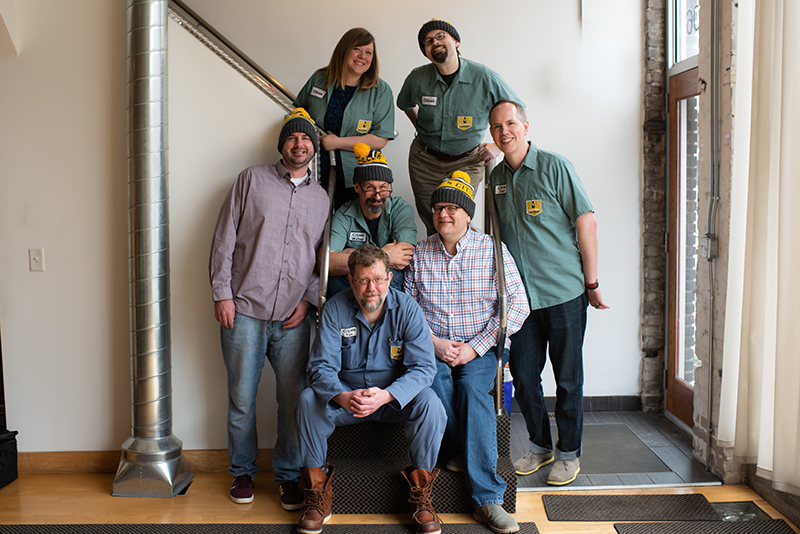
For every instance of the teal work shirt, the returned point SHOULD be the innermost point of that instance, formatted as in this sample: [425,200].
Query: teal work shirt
[349,226]
[538,206]
[453,119]
[369,111]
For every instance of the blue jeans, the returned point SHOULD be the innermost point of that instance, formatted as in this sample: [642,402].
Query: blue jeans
[465,392]
[562,327]
[244,350]
[337,284]
[423,421]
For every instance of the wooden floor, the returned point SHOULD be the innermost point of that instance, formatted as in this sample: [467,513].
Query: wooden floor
[86,499]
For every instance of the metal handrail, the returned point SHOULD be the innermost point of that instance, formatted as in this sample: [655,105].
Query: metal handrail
[325,261]
[502,294]
[209,36]
[241,63]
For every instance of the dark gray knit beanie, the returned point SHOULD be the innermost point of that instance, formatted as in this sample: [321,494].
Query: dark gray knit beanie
[456,190]
[298,121]
[435,24]
[371,165]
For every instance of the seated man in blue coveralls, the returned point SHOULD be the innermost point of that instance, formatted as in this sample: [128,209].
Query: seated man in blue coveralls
[375,217]
[372,361]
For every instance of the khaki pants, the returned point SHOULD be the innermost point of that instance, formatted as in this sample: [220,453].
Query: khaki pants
[427,172]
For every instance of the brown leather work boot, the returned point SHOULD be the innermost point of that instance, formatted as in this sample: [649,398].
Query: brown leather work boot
[318,499]
[420,491]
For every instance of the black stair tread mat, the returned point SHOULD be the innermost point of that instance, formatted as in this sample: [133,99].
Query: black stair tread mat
[774,526]
[374,439]
[449,528]
[450,495]
[692,507]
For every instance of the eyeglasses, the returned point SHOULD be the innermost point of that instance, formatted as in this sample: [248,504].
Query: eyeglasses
[367,281]
[438,37]
[369,190]
[449,208]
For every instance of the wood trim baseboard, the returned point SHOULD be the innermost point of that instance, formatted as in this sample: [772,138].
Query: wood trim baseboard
[107,462]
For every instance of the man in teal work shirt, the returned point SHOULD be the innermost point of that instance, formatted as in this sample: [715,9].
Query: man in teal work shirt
[548,225]
[448,101]
[375,217]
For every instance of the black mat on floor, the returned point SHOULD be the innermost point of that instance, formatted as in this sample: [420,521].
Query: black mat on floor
[615,449]
[776,526]
[628,508]
[449,528]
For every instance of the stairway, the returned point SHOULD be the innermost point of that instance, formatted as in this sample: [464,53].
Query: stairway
[368,458]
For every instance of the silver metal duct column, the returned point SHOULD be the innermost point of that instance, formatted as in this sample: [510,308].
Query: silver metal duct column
[152,463]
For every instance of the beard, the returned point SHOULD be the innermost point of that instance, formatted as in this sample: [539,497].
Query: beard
[371,306]
[375,208]
[440,55]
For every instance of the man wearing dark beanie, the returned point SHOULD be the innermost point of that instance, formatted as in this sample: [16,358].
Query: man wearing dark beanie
[375,217]
[448,101]
[453,278]
[263,283]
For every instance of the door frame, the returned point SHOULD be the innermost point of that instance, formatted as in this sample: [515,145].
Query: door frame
[680,394]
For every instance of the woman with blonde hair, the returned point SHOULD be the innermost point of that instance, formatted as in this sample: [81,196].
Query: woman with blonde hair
[352,104]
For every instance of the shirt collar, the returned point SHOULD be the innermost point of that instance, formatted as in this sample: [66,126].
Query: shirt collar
[284,173]
[529,160]
[465,241]
[463,74]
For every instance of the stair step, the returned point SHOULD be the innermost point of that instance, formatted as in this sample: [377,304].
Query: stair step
[376,486]
[384,440]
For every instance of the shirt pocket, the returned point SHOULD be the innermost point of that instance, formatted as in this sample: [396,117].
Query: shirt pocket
[351,358]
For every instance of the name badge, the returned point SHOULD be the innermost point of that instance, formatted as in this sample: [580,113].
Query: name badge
[464,123]
[349,332]
[533,207]
[500,189]
[358,237]
[363,126]
[317,92]
[428,100]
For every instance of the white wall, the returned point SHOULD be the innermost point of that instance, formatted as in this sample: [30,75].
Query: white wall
[63,182]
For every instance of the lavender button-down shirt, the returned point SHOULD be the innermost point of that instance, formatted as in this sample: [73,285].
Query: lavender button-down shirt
[264,248]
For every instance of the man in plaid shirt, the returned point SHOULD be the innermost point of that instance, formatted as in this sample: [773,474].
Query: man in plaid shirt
[453,278]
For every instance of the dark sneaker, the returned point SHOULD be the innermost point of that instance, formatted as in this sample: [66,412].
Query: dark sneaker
[457,464]
[243,489]
[291,496]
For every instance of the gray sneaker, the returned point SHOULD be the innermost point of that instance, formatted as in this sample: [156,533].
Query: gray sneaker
[530,463]
[563,472]
[496,518]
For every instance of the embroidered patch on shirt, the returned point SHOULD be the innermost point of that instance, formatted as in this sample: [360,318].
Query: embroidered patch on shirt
[358,237]
[500,189]
[317,92]
[429,100]
[533,207]
[363,126]
[349,332]
[464,123]
[397,352]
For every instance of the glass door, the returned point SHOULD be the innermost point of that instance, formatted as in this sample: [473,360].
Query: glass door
[682,243]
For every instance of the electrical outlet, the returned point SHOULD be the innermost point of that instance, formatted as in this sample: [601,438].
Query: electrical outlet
[36,258]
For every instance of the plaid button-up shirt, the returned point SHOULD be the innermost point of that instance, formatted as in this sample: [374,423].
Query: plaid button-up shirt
[459,293]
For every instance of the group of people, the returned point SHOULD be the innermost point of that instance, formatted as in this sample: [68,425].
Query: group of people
[409,334]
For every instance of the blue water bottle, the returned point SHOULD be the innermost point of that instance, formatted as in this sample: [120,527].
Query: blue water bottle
[508,388]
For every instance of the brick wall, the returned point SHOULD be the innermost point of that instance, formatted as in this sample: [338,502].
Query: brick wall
[654,206]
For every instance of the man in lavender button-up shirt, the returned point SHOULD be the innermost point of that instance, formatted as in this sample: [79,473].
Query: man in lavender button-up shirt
[263,283]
